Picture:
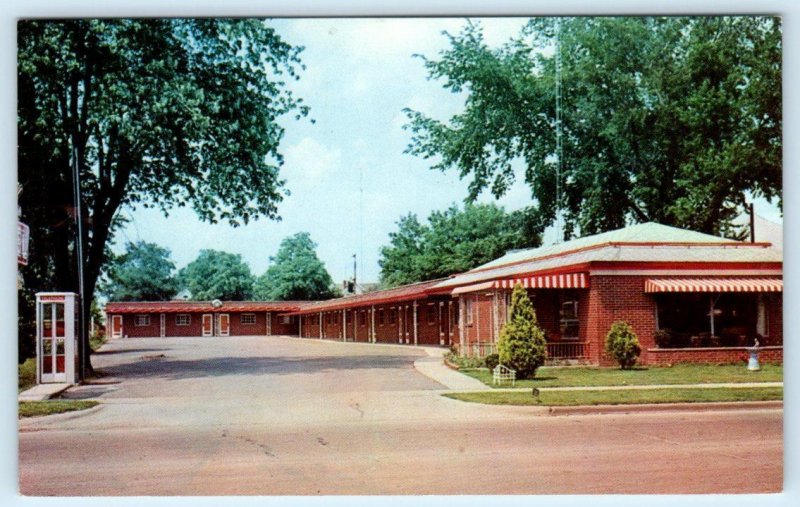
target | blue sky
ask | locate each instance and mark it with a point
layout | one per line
(348, 178)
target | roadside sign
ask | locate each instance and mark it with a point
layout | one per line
(23, 238)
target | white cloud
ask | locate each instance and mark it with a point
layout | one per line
(310, 162)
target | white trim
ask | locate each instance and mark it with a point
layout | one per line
(685, 272)
(163, 325)
(219, 324)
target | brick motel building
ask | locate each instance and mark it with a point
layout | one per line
(690, 297)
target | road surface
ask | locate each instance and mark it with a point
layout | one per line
(284, 416)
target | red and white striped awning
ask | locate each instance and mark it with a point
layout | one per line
(567, 281)
(711, 285)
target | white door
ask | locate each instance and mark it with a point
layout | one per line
(163, 325)
(208, 324)
(223, 324)
(53, 348)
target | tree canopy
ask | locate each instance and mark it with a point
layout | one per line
(218, 275)
(295, 273)
(154, 113)
(144, 272)
(452, 241)
(673, 120)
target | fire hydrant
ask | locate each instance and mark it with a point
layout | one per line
(752, 363)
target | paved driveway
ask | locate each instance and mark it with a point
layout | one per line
(255, 415)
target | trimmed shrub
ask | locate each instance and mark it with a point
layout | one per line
(491, 361)
(522, 346)
(622, 344)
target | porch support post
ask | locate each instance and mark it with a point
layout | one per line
(300, 326)
(415, 322)
(711, 312)
(320, 325)
(461, 330)
(372, 325)
(344, 325)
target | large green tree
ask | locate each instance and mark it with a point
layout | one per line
(153, 113)
(673, 120)
(218, 275)
(295, 273)
(144, 272)
(452, 241)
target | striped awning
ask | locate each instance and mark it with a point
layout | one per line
(567, 281)
(564, 281)
(714, 285)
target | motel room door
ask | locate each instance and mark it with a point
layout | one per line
(208, 324)
(116, 326)
(223, 324)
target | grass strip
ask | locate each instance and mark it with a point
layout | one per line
(39, 408)
(624, 397)
(583, 376)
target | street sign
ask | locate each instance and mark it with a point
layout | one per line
(23, 238)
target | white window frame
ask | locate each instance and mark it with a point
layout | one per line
(141, 320)
(178, 319)
(249, 321)
(468, 310)
(286, 319)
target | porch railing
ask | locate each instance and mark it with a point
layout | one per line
(482, 349)
(566, 350)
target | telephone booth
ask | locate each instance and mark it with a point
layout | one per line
(57, 321)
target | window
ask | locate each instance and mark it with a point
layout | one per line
(431, 315)
(468, 310)
(183, 319)
(286, 319)
(568, 319)
(685, 319)
(248, 318)
(141, 320)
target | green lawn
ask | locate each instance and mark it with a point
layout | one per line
(621, 397)
(678, 374)
(38, 408)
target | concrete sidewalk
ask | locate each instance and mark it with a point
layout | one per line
(433, 366)
(42, 392)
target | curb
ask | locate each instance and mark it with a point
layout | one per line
(66, 416)
(666, 407)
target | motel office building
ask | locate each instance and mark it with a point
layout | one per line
(706, 297)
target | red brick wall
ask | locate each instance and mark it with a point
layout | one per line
(774, 304)
(195, 327)
(129, 330)
(712, 355)
(613, 298)
(239, 329)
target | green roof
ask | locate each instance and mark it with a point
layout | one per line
(649, 232)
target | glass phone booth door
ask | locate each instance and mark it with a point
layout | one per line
(56, 350)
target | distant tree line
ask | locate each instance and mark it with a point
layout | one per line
(145, 272)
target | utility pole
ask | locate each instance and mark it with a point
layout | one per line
(83, 342)
(355, 290)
